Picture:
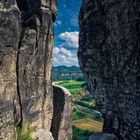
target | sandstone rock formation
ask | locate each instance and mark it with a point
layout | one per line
(109, 55)
(9, 38)
(26, 44)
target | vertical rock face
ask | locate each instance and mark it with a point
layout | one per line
(34, 64)
(62, 115)
(9, 38)
(26, 94)
(109, 55)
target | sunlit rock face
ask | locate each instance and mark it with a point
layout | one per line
(9, 38)
(26, 44)
(109, 54)
(34, 65)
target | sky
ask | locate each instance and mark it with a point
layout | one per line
(66, 33)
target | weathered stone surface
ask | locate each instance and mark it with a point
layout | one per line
(62, 116)
(102, 136)
(34, 65)
(9, 38)
(26, 93)
(109, 55)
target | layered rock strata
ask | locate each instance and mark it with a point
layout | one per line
(109, 55)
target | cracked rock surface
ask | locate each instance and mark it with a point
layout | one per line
(109, 56)
(26, 45)
(9, 38)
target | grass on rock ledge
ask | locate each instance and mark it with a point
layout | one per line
(24, 133)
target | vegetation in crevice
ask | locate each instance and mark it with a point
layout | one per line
(24, 132)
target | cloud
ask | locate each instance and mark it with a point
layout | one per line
(70, 39)
(58, 23)
(62, 56)
(66, 52)
(64, 6)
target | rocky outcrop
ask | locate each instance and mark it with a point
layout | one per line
(109, 56)
(26, 44)
(62, 115)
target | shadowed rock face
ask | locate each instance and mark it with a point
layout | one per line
(109, 55)
(26, 44)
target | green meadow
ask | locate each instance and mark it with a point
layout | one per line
(73, 86)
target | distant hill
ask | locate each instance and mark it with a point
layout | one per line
(67, 69)
(67, 73)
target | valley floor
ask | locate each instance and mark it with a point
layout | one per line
(86, 117)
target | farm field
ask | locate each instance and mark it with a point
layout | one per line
(88, 124)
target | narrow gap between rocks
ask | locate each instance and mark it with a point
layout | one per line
(86, 117)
